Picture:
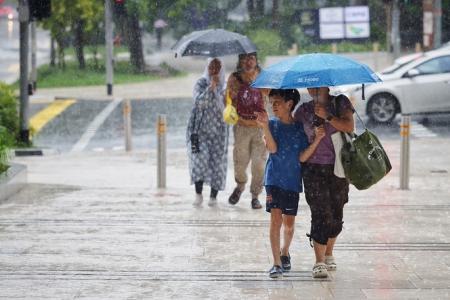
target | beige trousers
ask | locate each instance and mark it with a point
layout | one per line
(249, 146)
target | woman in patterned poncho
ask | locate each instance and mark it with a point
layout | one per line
(208, 156)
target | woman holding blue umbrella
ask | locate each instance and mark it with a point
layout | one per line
(325, 193)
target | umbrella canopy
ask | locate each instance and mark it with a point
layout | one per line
(314, 70)
(213, 43)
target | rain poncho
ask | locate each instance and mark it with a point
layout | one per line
(210, 164)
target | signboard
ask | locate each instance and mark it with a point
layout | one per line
(357, 30)
(357, 14)
(332, 31)
(352, 22)
(331, 15)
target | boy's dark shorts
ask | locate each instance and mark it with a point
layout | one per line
(282, 199)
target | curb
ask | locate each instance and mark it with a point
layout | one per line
(13, 180)
(33, 152)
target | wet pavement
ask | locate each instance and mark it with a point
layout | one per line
(67, 128)
(94, 226)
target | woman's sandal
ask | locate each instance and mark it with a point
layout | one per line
(330, 262)
(320, 271)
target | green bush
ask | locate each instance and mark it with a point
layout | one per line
(5, 143)
(9, 124)
(268, 42)
(9, 117)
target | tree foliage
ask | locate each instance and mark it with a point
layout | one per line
(72, 22)
(80, 22)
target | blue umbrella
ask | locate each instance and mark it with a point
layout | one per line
(314, 70)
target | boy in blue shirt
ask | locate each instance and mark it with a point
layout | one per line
(288, 146)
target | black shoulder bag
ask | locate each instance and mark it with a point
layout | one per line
(195, 143)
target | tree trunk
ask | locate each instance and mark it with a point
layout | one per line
(251, 10)
(260, 8)
(135, 42)
(52, 52)
(95, 47)
(395, 30)
(275, 23)
(78, 43)
(61, 60)
(59, 38)
(388, 9)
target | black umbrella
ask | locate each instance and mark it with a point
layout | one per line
(213, 43)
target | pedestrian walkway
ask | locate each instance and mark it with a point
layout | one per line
(174, 87)
(94, 226)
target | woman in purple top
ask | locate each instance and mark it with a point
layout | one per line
(325, 193)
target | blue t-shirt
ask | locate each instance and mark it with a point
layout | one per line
(283, 168)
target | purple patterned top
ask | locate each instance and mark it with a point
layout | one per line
(324, 153)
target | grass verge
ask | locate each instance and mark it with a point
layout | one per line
(72, 76)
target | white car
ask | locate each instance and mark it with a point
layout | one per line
(416, 85)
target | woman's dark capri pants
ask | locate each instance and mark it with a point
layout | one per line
(326, 195)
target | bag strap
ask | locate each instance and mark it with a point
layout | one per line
(228, 98)
(359, 118)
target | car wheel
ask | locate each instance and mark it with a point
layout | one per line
(382, 108)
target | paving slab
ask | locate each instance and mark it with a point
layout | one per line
(94, 226)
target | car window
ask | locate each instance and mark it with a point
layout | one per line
(446, 64)
(435, 66)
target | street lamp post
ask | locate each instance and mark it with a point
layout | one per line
(33, 76)
(24, 17)
(109, 47)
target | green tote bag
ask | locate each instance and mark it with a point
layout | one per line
(364, 160)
